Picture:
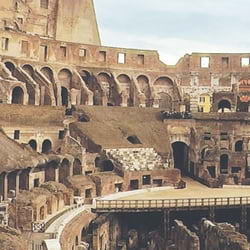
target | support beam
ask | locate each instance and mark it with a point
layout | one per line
(212, 213)
(166, 225)
(244, 219)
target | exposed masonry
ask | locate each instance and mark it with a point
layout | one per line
(136, 159)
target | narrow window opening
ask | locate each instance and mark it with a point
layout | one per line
(5, 43)
(205, 62)
(140, 59)
(245, 61)
(102, 56)
(146, 180)
(61, 134)
(16, 134)
(121, 58)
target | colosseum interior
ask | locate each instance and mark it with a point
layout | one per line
(109, 148)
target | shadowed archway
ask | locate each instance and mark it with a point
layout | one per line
(180, 153)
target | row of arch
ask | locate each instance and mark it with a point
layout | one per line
(46, 145)
(102, 84)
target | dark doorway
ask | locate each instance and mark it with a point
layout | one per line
(224, 104)
(46, 147)
(65, 97)
(211, 170)
(33, 144)
(134, 184)
(180, 152)
(107, 166)
(17, 95)
(239, 146)
(64, 171)
(224, 164)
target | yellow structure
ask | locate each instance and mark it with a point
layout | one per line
(204, 103)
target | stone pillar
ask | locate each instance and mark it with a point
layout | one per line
(124, 98)
(2, 185)
(57, 174)
(5, 187)
(18, 181)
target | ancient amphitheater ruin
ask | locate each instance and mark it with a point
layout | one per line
(108, 148)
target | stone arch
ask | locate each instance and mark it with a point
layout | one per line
(93, 85)
(238, 146)
(46, 146)
(17, 96)
(181, 156)
(109, 88)
(48, 72)
(77, 167)
(65, 78)
(144, 86)
(224, 162)
(28, 69)
(50, 171)
(126, 86)
(165, 101)
(224, 105)
(33, 144)
(64, 170)
(164, 81)
(10, 66)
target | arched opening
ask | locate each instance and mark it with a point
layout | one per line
(65, 97)
(48, 73)
(64, 171)
(11, 67)
(46, 146)
(143, 84)
(28, 69)
(133, 139)
(65, 78)
(109, 87)
(77, 167)
(83, 118)
(224, 164)
(33, 144)
(165, 101)
(224, 105)
(180, 153)
(50, 171)
(238, 146)
(17, 95)
(125, 84)
(107, 166)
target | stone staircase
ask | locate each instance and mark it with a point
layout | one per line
(136, 159)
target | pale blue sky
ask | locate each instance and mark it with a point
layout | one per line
(175, 27)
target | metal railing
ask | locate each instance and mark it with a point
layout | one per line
(171, 203)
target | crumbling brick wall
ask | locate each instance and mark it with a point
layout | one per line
(222, 236)
(183, 238)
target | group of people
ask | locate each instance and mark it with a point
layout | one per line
(176, 115)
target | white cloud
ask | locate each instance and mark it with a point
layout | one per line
(170, 49)
(176, 27)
